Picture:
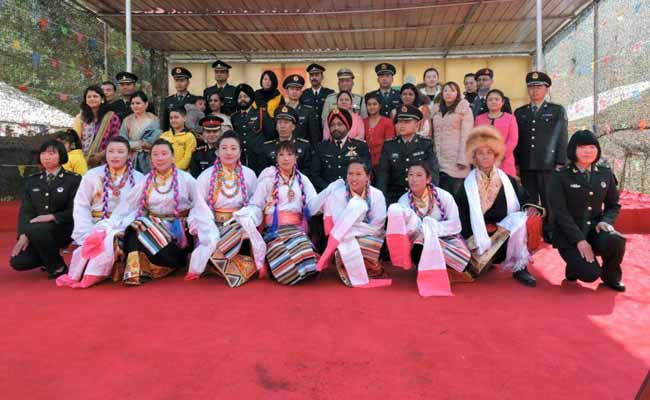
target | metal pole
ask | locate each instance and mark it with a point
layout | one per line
(127, 12)
(105, 49)
(595, 74)
(540, 52)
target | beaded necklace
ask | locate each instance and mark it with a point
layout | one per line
(433, 198)
(109, 187)
(219, 182)
(151, 181)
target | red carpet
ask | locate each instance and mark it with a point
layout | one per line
(201, 340)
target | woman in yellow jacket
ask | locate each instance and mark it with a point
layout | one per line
(269, 97)
(76, 159)
(183, 141)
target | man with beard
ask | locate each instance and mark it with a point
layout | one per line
(181, 82)
(226, 90)
(316, 94)
(346, 83)
(330, 159)
(250, 123)
(389, 97)
(399, 153)
(286, 119)
(308, 125)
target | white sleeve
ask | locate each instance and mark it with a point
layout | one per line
(201, 220)
(81, 212)
(378, 209)
(451, 225)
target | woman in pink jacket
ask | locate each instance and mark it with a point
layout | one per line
(452, 122)
(505, 123)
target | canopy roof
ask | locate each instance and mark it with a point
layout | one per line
(253, 29)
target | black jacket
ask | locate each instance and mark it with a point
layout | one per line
(254, 126)
(396, 157)
(228, 95)
(170, 103)
(543, 137)
(202, 159)
(329, 162)
(578, 204)
(265, 156)
(389, 102)
(316, 102)
(496, 213)
(57, 198)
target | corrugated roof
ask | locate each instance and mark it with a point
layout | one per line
(250, 28)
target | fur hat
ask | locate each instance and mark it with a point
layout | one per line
(485, 136)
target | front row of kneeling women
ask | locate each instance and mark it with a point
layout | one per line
(229, 222)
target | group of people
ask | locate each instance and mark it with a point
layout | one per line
(242, 183)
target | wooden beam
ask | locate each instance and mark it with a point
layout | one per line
(297, 13)
(346, 30)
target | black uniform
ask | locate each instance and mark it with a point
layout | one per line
(388, 102)
(308, 125)
(46, 238)
(172, 102)
(396, 157)
(329, 161)
(542, 145)
(579, 202)
(470, 97)
(227, 93)
(266, 155)
(315, 101)
(203, 158)
(254, 126)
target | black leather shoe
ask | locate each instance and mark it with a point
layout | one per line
(570, 276)
(525, 277)
(58, 271)
(618, 286)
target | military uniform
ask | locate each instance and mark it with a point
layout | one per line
(542, 145)
(122, 107)
(308, 124)
(390, 99)
(204, 156)
(176, 100)
(227, 91)
(329, 160)
(41, 197)
(479, 105)
(397, 155)
(252, 126)
(358, 105)
(579, 202)
(266, 156)
(315, 97)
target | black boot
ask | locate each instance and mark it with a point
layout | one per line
(617, 286)
(469, 268)
(525, 277)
